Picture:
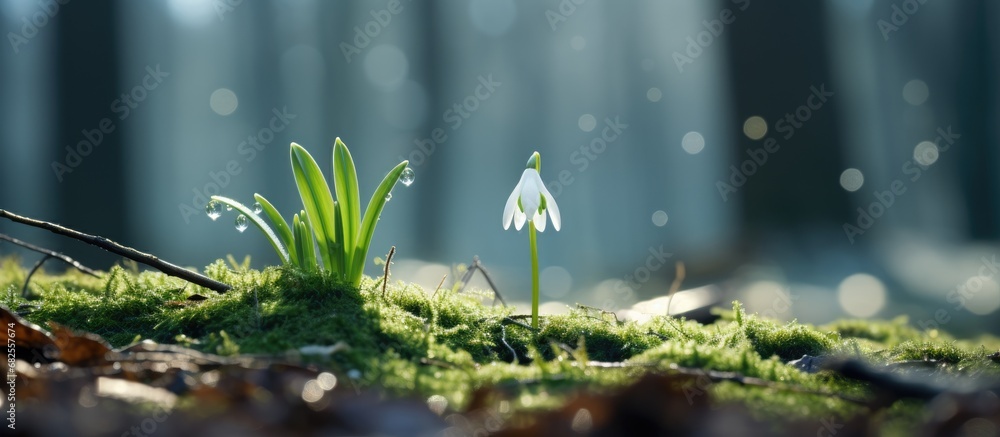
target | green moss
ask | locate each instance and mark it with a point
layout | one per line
(888, 333)
(410, 341)
(790, 341)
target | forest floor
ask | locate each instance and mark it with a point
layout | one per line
(291, 353)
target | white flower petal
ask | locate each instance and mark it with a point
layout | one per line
(519, 219)
(552, 208)
(511, 209)
(539, 222)
(511, 206)
(531, 195)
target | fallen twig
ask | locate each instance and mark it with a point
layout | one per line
(51, 254)
(128, 252)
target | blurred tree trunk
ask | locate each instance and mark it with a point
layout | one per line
(974, 87)
(777, 56)
(90, 197)
(433, 172)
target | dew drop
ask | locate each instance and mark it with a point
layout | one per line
(229, 208)
(257, 208)
(213, 209)
(388, 197)
(242, 223)
(407, 177)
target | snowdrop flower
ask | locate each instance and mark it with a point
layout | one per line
(530, 200)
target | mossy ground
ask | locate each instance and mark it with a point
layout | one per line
(413, 341)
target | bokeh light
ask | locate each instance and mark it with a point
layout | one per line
(926, 153)
(660, 218)
(861, 295)
(555, 281)
(852, 179)
(223, 101)
(587, 122)
(915, 92)
(438, 404)
(755, 127)
(386, 66)
(693, 143)
(654, 94)
(980, 295)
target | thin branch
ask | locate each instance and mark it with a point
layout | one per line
(599, 310)
(672, 322)
(128, 252)
(503, 339)
(27, 280)
(489, 280)
(510, 321)
(477, 265)
(468, 274)
(657, 335)
(385, 273)
(565, 348)
(52, 254)
(439, 285)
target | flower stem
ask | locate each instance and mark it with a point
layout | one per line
(534, 274)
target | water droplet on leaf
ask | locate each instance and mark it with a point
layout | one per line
(407, 177)
(257, 208)
(213, 209)
(242, 223)
(388, 197)
(229, 208)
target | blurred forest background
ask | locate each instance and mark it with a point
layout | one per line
(738, 136)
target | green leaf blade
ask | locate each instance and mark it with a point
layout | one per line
(318, 203)
(297, 225)
(367, 230)
(257, 221)
(347, 255)
(280, 225)
(346, 184)
(308, 247)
